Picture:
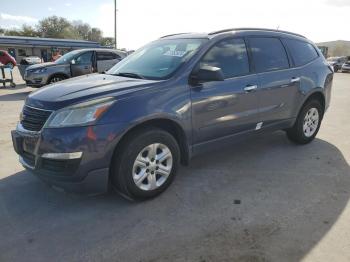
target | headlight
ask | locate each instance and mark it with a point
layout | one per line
(80, 114)
(39, 71)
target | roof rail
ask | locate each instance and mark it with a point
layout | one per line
(173, 35)
(253, 28)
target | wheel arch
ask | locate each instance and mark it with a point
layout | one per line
(166, 124)
(57, 74)
(317, 95)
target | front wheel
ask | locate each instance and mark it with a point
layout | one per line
(145, 164)
(307, 124)
(56, 78)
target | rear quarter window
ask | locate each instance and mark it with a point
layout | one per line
(301, 52)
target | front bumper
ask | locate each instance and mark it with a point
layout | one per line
(87, 171)
(35, 80)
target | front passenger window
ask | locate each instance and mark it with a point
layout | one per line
(83, 59)
(229, 55)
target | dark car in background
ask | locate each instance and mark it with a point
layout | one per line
(337, 62)
(7, 59)
(72, 64)
(169, 101)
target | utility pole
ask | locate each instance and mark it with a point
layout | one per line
(115, 23)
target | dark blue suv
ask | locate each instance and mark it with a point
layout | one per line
(132, 126)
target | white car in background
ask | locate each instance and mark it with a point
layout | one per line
(30, 60)
(346, 67)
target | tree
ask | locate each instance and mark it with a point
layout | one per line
(82, 29)
(59, 27)
(28, 30)
(54, 27)
(107, 41)
(95, 34)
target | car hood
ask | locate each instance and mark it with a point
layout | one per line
(87, 87)
(41, 65)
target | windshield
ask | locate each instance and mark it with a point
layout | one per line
(67, 58)
(157, 60)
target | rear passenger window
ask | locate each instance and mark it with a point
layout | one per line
(229, 55)
(302, 52)
(268, 54)
(107, 56)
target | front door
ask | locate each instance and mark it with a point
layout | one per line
(223, 108)
(82, 64)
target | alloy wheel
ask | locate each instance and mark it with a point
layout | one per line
(311, 120)
(152, 166)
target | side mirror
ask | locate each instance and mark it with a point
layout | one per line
(207, 74)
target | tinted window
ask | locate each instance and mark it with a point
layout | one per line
(229, 55)
(159, 59)
(268, 54)
(84, 58)
(301, 52)
(107, 56)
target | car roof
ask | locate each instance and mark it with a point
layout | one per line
(238, 32)
(99, 49)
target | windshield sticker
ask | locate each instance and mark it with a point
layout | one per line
(175, 53)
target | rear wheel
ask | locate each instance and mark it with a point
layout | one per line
(146, 164)
(56, 78)
(307, 124)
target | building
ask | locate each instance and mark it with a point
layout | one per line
(20, 46)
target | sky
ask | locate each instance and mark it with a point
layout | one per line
(141, 21)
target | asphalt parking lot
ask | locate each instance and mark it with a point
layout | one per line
(264, 199)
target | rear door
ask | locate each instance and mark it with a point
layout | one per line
(278, 83)
(106, 60)
(82, 64)
(223, 108)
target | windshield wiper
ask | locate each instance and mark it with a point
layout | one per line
(132, 75)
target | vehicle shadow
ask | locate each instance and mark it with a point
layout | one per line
(15, 96)
(265, 199)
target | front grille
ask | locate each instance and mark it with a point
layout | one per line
(33, 119)
(64, 167)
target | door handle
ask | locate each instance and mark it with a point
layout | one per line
(295, 80)
(250, 88)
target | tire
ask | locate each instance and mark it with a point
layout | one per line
(144, 179)
(56, 78)
(298, 133)
(336, 69)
